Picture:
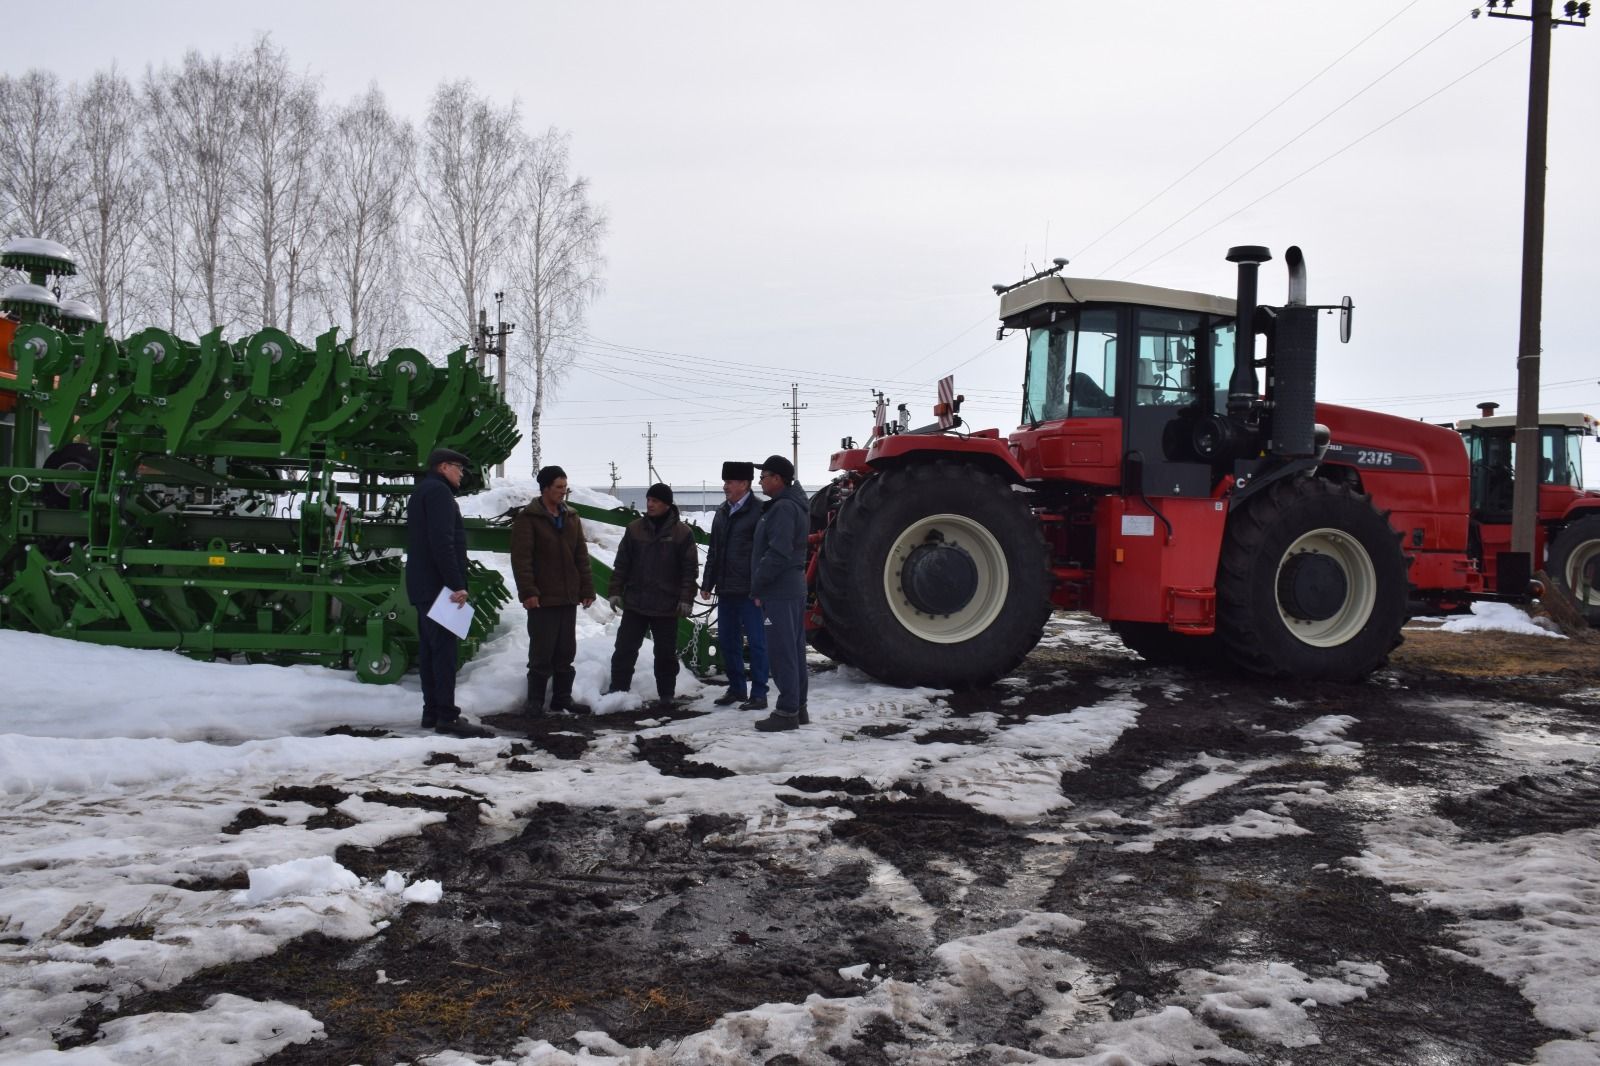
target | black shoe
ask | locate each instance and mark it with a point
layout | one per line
(460, 727)
(776, 722)
(663, 705)
(755, 703)
(729, 699)
(804, 718)
(570, 705)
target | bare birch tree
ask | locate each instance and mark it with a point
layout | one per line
(192, 130)
(466, 191)
(276, 184)
(366, 165)
(104, 233)
(37, 165)
(555, 271)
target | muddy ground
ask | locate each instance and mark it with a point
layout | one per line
(589, 920)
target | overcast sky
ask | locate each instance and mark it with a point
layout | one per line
(823, 193)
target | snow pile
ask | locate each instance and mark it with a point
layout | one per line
(1488, 616)
(1271, 1001)
(298, 877)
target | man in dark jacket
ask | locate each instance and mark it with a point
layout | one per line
(436, 559)
(550, 563)
(652, 584)
(778, 586)
(733, 536)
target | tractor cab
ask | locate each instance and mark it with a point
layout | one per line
(1491, 447)
(1139, 389)
(1119, 370)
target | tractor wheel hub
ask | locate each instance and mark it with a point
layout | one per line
(939, 578)
(1312, 587)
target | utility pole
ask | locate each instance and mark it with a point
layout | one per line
(494, 343)
(1525, 489)
(794, 407)
(614, 477)
(649, 436)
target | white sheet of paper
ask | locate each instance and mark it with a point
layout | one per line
(456, 617)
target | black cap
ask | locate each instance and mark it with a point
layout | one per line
(733, 470)
(549, 475)
(447, 455)
(777, 464)
(660, 491)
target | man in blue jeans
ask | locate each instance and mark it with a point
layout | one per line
(727, 573)
(778, 587)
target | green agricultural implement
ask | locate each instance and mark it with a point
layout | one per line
(223, 499)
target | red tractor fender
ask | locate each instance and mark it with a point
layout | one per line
(984, 448)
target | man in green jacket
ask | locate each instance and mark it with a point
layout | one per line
(551, 565)
(653, 585)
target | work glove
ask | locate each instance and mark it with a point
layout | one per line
(686, 608)
(615, 602)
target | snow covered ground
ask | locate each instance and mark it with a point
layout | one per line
(120, 769)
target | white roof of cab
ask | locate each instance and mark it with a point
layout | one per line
(1059, 290)
(1570, 419)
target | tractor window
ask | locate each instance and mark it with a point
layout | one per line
(1491, 452)
(1072, 368)
(1572, 467)
(1222, 358)
(1169, 342)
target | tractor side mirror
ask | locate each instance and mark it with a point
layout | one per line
(1346, 313)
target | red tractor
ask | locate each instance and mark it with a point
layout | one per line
(1567, 533)
(1208, 512)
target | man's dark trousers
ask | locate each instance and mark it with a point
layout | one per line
(738, 619)
(630, 636)
(436, 662)
(786, 647)
(552, 645)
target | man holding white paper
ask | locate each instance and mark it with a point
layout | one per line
(436, 582)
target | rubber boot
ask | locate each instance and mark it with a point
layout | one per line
(534, 704)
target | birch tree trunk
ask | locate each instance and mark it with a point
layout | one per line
(556, 273)
(193, 128)
(38, 169)
(466, 185)
(104, 233)
(276, 187)
(366, 164)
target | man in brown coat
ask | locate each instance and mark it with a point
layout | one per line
(551, 564)
(653, 585)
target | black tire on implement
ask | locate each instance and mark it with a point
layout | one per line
(935, 574)
(1574, 564)
(1311, 584)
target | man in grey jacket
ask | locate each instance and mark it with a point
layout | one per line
(778, 587)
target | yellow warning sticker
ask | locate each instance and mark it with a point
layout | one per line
(218, 560)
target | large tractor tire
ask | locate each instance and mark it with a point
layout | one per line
(1311, 584)
(1574, 564)
(935, 574)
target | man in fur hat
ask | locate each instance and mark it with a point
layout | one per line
(733, 535)
(652, 584)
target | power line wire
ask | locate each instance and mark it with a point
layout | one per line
(1276, 151)
(1230, 142)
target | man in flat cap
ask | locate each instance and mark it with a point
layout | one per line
(652, 584)
(733, 537)
(778, 586)
(436, 559)
(550, 563)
